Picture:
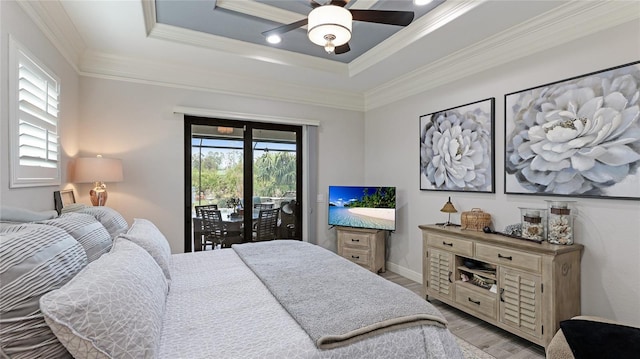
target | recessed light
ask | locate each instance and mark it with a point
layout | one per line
(421, 2)
(274, 39)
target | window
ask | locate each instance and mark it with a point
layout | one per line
(33, 124)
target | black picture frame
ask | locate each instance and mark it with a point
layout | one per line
(63, 198)
(578, 137)
(468, 130)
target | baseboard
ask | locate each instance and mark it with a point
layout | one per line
(405, 272)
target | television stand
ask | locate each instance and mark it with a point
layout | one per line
(365, 247)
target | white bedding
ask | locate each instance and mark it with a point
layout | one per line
(217, 308)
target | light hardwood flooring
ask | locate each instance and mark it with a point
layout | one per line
(490, 339)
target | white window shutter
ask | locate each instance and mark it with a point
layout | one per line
(34, 93)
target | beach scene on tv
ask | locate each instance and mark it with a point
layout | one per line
(363, 207)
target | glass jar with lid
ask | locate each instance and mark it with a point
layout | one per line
(560, 222)
(533, 221)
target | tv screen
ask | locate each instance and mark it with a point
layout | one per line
(362, 207)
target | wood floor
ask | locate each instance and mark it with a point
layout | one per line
(490, 339)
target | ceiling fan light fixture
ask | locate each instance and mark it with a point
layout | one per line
(329, 46)
(329, 26)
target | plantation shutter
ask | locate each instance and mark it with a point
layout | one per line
(35, 157)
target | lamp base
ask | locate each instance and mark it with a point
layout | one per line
(447, 224)
(99, 195)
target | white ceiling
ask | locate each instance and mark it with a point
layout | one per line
(122, 39)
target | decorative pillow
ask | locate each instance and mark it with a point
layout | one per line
(145, 234)
(109, 217)
(90, 233)
(73, 207)
(113, 308)
(34, 259)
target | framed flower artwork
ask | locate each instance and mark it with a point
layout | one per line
(578, 137)
(456, 148)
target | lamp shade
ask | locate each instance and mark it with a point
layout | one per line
(98, 169)
(448, 207)
(329, 23)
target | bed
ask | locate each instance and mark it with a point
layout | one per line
(275, 299)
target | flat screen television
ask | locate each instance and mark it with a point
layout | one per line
(362, 207)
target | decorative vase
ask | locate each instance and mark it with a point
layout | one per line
(560, 222)
(533, 223)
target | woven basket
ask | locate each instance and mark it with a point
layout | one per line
(475, 219)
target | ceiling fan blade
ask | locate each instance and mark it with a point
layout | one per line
(314, 4)
(390, 17)
(340, 3)
(342, 49)
(286, 28)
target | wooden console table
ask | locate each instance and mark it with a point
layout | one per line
(536, 285)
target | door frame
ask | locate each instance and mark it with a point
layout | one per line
(248, 127)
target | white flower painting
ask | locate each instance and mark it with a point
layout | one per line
(456, 148)
(579, 137)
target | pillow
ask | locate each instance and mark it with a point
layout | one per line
(73, 207)
(90, 233)
(111, 309)
(145, 234)
(109, 217)
(16, 214)
(34, 259)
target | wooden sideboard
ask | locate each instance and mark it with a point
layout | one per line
(365, 247)
(536, 285)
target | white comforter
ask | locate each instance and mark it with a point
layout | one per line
(217, 308)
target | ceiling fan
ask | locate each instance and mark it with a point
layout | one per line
(330, 25)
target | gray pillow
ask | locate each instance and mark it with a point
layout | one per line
(145, 234)
(90, 233)
(111, 219)
(34, 259)
(111, 309)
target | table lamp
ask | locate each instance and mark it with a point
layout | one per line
(448, 208)
(98, 170)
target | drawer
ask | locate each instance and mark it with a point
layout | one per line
(455, 245)
(508, 257)
(356, 240)
(358, 256)
(483, 304)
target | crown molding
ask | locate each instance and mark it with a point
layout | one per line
(54, 22)
(563, 24)
(149, 15)
(260, 10)
(123, 68)
(430, 22)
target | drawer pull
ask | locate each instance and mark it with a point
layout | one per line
(355, 240)
(450, 273)
(474, 301)
(501, 293)
(355, 257)
(505, 257)
(447, 244)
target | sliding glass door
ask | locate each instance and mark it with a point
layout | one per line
(240, 168)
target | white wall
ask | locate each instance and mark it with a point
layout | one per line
(15, 22)
(135, 122)
(609, 229)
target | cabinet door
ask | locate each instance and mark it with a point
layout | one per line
(520, 298)
(439, 273)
